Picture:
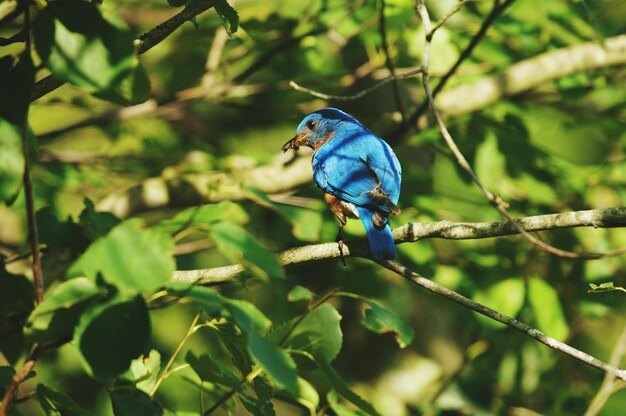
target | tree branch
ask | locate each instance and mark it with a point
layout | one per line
(530, 73)
(600, 218)
(508, 321)
(497, 202)
(412, 232)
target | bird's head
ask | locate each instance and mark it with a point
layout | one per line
(317, 128)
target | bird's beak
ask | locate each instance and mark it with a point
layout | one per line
(296, 142)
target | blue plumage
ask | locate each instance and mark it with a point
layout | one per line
(358, 172)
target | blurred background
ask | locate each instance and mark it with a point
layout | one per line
(221, 108)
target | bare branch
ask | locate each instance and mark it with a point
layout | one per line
(358, 95)
(508, 321)
(610, 217)
(412, 232)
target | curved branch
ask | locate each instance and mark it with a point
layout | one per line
(411, 232)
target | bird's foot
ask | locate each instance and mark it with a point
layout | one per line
(340, 244)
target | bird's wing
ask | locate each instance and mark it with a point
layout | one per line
(363, 170)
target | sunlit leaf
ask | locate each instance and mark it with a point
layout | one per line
(382, 320)
(131, 257)
(109, 336)
(604, 287)
(506, 297)
(207, 214)
(79, 46)
(11, 159)
(299, 293)
(545, 302)
(144, 371)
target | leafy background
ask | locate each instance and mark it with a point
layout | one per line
(318, 338)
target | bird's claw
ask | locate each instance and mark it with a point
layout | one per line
(340, 245)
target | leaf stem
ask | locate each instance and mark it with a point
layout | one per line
(192, 329)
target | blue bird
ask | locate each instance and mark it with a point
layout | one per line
(358, 172)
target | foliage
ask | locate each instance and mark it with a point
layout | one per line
(184, 140)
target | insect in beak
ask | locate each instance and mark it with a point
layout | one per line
(297, 141)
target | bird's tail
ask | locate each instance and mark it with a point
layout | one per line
(380, 238)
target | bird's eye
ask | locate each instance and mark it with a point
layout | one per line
(311, 124)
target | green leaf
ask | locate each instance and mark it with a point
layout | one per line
(133, 89)
(605, 287)
(277, 364)
(55, 403)
(340, 409)
(79, 46)
(382, 320)
(109, 336)
(257, 406)
(506, 297)
(56, 317)
(131, 257)
(341, 387)
(299, 293)
(228, 15)
(207, 214)
(307, 395)
(144, 371)
(212, 370)
(318, 333)
(11, 159)
(238, 246)
(130, 401)
(16, 85)
(545, 302)
(97, 224)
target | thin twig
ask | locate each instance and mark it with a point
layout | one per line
(445, 18)
(358, 95)
(506, 320)
(19, 377)
(382, 28)
(192, 329)
(493, 199)
(497, 9)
